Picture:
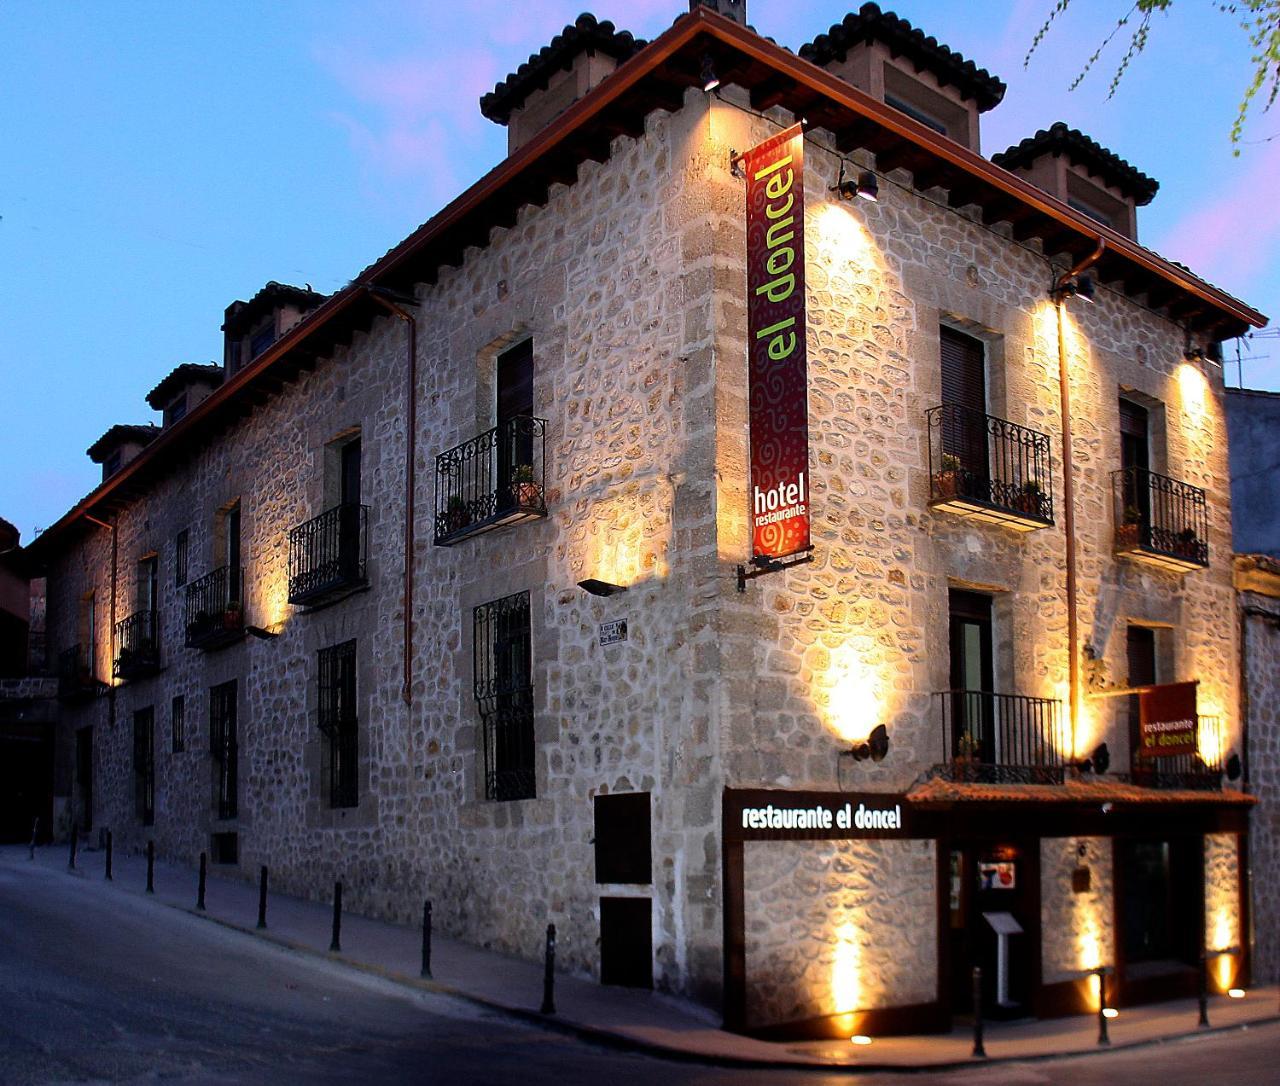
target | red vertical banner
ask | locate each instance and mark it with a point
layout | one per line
(777, 357)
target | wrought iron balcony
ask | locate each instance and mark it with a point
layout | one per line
(1000, 738)
(328, 554)
(491, 480)
(75, 675)
(215, 609)
(1200, 772)
(989, 469)
(137, 646)
(1160, 521)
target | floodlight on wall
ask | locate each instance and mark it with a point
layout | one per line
(600, 588)
(710, 81)
(875, 746)
(1097, 762)
(866, 187)
(1234, 767)
(264, 633)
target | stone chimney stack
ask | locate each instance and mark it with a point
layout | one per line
(730, 9)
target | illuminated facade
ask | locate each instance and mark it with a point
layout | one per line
(364, 652)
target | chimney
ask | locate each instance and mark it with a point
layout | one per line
(730, 9)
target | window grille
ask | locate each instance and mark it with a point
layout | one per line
(504, 696)
(338, 721)
(144, 764)
(178, 719)
(222, 746)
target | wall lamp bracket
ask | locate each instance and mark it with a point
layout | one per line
(866, 187)
(762, 564)
(1098, 762)
(875, 746)
(601, 588)
(735, 164)
(265, 633)
(1074, 283)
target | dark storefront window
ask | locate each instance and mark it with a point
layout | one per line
(144, 764)
(504, 696)
(222, 747)
(337, 720)
(1162, 903)
(622, 839)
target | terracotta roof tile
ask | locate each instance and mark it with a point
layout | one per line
(1059, 139)
(939, 790)
(118, 435)
(181, 376)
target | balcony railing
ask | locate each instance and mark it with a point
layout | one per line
(1200, 772)
(328, 554)
(1000, 738)
(75, 674)
(1160, 521)
(215, 609)
(137, 646)
(491, 480)
(988, 468)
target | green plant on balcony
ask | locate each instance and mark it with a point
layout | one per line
(524, 488)
(1030, 498)
(946, 481)
(1129, 530)
(232, 616)
(1186, 543)
(456, 514)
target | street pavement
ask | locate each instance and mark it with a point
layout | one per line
(101, 986)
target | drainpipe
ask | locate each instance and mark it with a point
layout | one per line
(1059, 294)
(111, 618)
(411, 449)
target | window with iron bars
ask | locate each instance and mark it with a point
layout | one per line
(144, 764)
(178, 719)
(222, 746)
(504, 696)
(338, 721)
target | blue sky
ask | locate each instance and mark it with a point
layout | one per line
(164, 158)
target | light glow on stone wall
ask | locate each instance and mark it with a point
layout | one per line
(842, 238)
(273, 604)
(850, 694)
(624, 540)
(1089, 953)
(1222, 937)
(846, 983)
(1193, 388)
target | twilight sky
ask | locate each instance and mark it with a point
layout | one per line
(163, 158)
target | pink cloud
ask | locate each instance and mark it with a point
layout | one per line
(1232, 236)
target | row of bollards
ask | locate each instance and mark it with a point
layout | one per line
(335, 942)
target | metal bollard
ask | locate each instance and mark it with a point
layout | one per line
(549, 973)
(151, 867)
(1204, 990)
(35, 833)
(204, 861)
(1104, 1038)
(71, 863)
(262, 897)
(979, 1049)
(426, 939)
(109, 843)
(335, 944)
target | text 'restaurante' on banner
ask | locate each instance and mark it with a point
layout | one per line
(777, 356)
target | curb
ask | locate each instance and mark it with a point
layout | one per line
(612, 1039)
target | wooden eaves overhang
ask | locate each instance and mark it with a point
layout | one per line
(655, 78)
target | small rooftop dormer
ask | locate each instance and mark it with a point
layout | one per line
(1083, 174)
(119, 445)
(580, 57)
(251, 327)
(891, 60)
(184, 387)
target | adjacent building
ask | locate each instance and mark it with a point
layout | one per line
(445, 585)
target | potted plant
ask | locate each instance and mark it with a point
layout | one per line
(231, 617)
(946, 483)
(967, 757)
(1129, 531)
(1186, 544)
(456, 516)
(1030, 498)
(523, 487)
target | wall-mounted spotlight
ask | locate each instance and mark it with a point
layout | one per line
(1097, 762)
(265, 633)
(1075, 286)
(875, 746)
(866, 187)
(601, 588)
(710, 81)
(1234, 767)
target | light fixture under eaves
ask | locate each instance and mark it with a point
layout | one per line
(710, 81)
(866, 187)
(601, 588)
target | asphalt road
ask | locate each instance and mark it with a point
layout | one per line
(98, 987)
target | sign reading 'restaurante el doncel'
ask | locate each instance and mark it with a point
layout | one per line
(777, 355)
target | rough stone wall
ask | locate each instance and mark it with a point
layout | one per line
(1262, 679)
(1076, 930)
(838, 926)
(1222, 904)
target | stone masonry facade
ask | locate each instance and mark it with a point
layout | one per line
(631, 284)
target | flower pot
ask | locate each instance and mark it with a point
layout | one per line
(946, 484)
(526, 495)
(1127, 537)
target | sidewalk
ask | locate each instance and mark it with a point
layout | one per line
(645, 1021)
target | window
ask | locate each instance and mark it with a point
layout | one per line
(144, 764)
(338, 721)
(181, 545)
(176, 410)
(504, 696)
(112, 463)
(972, 674)
(262, 339)
(89, 617)
(149, 583)
(178, 723)
(622, 834)
(222, 746)
(916, 114)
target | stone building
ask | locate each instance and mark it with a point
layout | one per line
(447, 586)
